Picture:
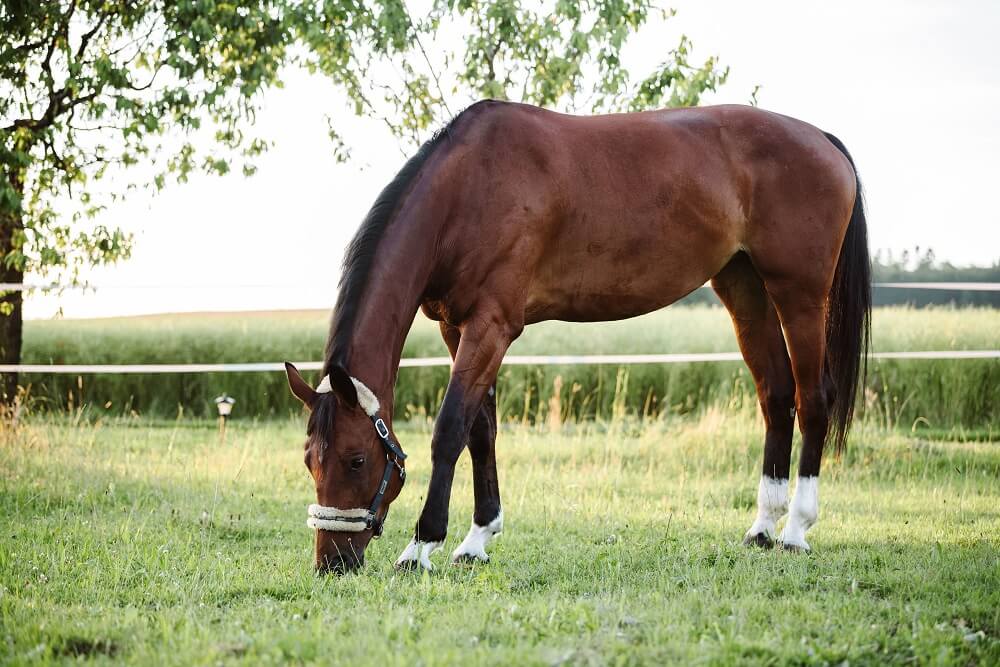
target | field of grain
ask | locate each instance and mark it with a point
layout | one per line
(954, 397)
(134, 541)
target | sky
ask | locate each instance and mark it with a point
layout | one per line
(912, 88)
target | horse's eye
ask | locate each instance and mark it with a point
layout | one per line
(357, 462)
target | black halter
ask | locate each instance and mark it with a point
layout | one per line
(394, 458)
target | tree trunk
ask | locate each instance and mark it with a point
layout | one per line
(11, 320)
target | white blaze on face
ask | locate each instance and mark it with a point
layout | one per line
(772, 503)
(803, 513)
(419, 553)
(474, 544)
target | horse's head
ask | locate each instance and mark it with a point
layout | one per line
(357, 467)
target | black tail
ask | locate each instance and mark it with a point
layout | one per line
(848, 325)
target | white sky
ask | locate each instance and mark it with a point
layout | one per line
(912, 88)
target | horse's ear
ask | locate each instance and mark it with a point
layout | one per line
(300, 388)
(343, 386)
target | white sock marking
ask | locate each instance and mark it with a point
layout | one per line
(419, 552)
(772, 504)
(803, 512)
(475, 542)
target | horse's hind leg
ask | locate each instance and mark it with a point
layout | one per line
(487, 518)
(803, 316)
(758, 332)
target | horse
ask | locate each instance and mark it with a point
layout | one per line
(513, 214)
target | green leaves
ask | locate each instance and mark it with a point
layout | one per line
(565, 55)
(93, 87)
(677, 83)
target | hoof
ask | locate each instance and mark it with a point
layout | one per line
(793, 548)
(408, 566)
(469, 559)
(761, 540)
(472, 550)
(417, 556)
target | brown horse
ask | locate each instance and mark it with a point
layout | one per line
(512, 215)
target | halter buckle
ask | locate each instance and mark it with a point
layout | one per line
(381, 428)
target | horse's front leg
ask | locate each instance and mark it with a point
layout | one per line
(487, 519)
(483, 343)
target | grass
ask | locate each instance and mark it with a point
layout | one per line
(151, 542)
(937, 395)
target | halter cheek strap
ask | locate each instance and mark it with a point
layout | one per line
(360, 519)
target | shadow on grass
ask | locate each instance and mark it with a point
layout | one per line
(83, 647)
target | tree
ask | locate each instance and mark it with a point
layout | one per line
(90, 88)
(140, 93)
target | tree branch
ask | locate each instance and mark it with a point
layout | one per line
(87, 36)
(64, 166)
(56, 108)
(25, 48)
(135, 40)
(50, 83)
(152, 79)
(437, 81)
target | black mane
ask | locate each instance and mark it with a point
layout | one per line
(360, 253)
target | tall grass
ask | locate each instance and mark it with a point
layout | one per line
(923, 394)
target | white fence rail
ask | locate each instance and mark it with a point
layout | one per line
(426, 362)
(958, 287)
(513, 360)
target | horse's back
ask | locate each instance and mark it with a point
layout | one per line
(622, 214)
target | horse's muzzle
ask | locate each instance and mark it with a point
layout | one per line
(338, 564)
(339, 553)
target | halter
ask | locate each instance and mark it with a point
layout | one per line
(360, 519)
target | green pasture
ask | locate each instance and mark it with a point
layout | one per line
(129, 540)
(955, 397)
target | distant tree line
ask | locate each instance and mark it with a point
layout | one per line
(922, 266)
(913, 266)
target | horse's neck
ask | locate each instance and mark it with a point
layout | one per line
(389, 303)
